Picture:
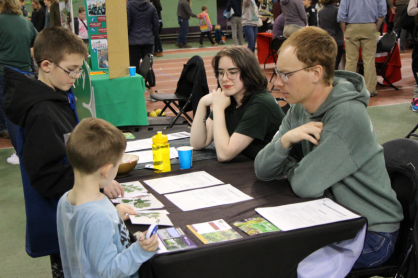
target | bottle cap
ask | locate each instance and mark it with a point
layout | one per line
(160, 138)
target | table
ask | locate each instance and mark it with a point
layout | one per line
(265, 255)
(263, 48)
(120, 101)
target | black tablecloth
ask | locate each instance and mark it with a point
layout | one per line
(267, 255)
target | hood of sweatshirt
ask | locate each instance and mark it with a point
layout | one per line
(140, 5)
(22, 92)
(348, 86)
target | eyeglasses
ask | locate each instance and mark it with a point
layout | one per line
(231, 74)
(72, 73)
(284, 76)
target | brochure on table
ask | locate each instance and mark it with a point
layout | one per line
(96, 23)
(151, 217)
(213, 231)
(306, 214)
(173, 239)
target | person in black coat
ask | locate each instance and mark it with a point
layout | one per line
(143, 25)
(38, 15)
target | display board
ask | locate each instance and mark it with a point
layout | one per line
(84, 95)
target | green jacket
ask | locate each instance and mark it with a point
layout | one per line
(348, 164)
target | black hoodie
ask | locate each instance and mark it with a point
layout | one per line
(46, 116)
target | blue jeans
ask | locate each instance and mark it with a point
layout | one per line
(184, 30)
(3, 126)
(11, 127)
(378, 247)
(158, 44)
(250, 32)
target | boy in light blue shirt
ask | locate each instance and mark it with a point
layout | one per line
(93, 239)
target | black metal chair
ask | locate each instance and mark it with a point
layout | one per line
(412, 132)
(402, 167)
(191, 86)
(386, 44)
(274, 46)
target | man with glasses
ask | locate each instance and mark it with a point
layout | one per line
(326, 145)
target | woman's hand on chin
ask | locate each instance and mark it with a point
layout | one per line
(219, 99)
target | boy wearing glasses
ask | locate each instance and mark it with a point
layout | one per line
(326, 145)
(44, 109)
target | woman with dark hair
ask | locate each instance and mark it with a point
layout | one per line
(245, 117)
(38, 15)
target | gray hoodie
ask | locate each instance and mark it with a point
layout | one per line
(294, 12)
(348, 164)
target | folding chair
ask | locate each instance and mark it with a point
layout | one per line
(412, 133)
(145, 69)
(386, 44)
(191, 87)
(402, 167)
(274, 46)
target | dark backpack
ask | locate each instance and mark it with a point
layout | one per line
(407, 22)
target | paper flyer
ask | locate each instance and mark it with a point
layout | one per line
(255, 226)
(173, 239)
(213, 231)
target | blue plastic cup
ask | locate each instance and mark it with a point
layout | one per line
(185, 157)
(132, 71)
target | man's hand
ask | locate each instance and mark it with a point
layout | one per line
(150, 244)
(310, 131)
(113, 190)
(393, 10)
(124, 210)
(220, 100)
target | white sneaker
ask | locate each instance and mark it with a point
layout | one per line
(13, 159)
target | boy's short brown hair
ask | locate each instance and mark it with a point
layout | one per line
(314, 46)
(93, 144)
(81, 9)
(55, 42)
(204, 8)
(11, 6)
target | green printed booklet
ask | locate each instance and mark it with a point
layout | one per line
(129, 135)
(173, 239)
(255, 226)
(213, 231)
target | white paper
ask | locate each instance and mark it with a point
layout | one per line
(146, 156)
(183, 182)
(306, 214)
(207, 197)
(145, 144)
(150, 217)
(133, 189)
(144, 203)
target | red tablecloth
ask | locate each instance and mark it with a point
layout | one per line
(393, 67)
(263, 46)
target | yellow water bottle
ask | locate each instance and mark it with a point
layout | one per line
(161, 153)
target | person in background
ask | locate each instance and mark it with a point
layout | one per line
(158, 44)
(184, 12)
(245, 116)
(278, 26)
(398, 9)
(249, 22)
(103, 60)
(205, 26)
(47, 12)
(15, 51)
(295, 16)
(143, 24)
(54, 14)
(328, 21)
(80, 25)
(413, 11)
(219, 35)
(93, 239)
(23, 8)
(326, 145)
(360, 25)
(236, 21)
(310, 13)
(38, 15)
